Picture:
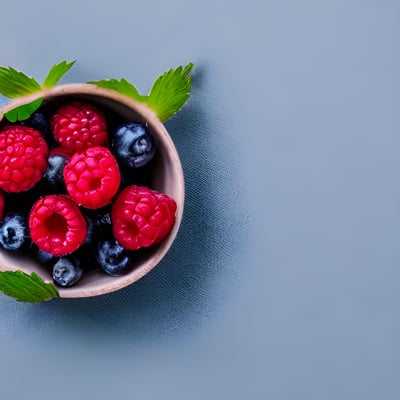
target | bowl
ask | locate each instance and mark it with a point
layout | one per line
(166, 176)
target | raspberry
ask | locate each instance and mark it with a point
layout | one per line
(141, 216)
(92, 177)
(77, 126)
(23, 158)
(56, 225)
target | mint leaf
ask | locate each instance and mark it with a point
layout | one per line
(28, 288)
(15, 83)
(56, 73)
(170, 92)
(22, 113)
(167, 96)
(122, 86)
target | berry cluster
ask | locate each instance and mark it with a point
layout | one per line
(71, 191)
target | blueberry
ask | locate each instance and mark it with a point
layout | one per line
(54, 174)
(91, 229)
(103, 220)
(13, 232)
(85, 256)
(45, 258)
(97, 220)
(100, 217)
(67, 271)
(132, 145)
(112, 257)
(39, 122)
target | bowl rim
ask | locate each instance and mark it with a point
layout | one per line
(150, 117)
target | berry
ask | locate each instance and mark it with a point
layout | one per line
(23, 158)
(13, 232)
(45, 258)
(77, 126)
(141, 216)
(85, 256)
(56, 225)
(91, 228)
(92, 177)
(103, 220)
(112, 257)
(54, 175)
(67, 271)
(39, 122)
(99, 221)
(132, 145)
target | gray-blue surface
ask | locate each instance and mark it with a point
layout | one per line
(284, 280)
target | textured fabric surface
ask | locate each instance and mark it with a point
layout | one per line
(283, 281)
(176, 293)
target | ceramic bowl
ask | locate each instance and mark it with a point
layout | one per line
(166, 176)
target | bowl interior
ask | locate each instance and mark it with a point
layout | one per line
(164, 174)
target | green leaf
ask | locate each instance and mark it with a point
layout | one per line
(170, 91)
(56, 73)
(15, 83)
(22, 113)
(167, 95)
(23, 287)
(122, 86)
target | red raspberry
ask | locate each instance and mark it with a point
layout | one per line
(56, 225)
(141, 216)
(92, 177)
(23, 158)
(78, 126)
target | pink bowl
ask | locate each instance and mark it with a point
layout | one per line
(167, 177)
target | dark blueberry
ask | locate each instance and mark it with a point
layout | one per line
(112, 257)
(67, 271)
(132, 145)
(45, 258)
(85, 255)
(142, 176)
(91, 229)
(13, 232)
(54, 173)
(101, 217)
(98, 221)
(103, 220)
(39, 122)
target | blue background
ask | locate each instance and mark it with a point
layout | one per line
(283, 282)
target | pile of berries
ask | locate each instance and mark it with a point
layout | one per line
(74, 191)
